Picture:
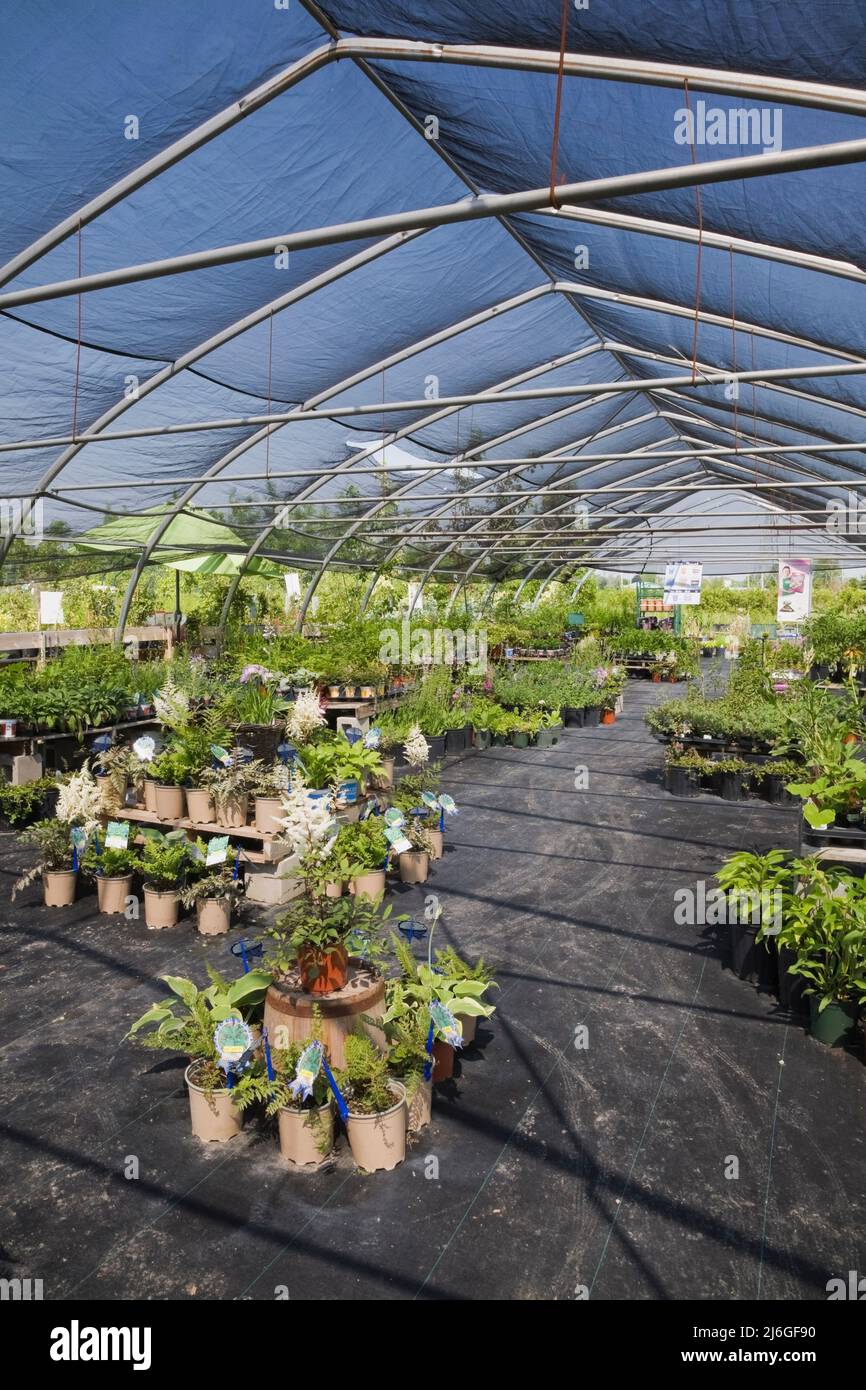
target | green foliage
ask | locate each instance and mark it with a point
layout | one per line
(365, 1079)
(317, 924)
(111, 863)
(361, 846)
(19, 805)
(165, 859)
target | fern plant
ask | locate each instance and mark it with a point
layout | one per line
(365, 1079)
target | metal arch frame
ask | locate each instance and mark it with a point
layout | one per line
(587, 351)
(203, 349)
(218, 467)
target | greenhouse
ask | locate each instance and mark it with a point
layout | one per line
(433, 653)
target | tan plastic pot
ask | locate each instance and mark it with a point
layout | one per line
(150, 795)
(214, 1115)
(214, 916)
(58, 886)
(306, 1136)
(469, 1027)
(160, 909)
(384, 779)
(269, 813)
(421, 1107)
(233, 812)
(112, 893)
(414, 865)
(109, 799)
(335, 889)
(199, 806)
(170, 802)
(378, 1142)
(438, 840)
(370, 885)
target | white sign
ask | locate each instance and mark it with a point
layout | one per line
(51, 606)
(683, 583)
(293, 584)
(794, 591)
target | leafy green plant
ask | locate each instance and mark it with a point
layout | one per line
(52, 841)
(365, 1079)
(111, 863)
(362, 846)
(216, 883)
(20, 805)
(315, 924)
(165, 859)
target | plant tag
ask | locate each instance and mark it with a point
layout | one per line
(393, 816)
(232, 1039)
(401, 844)
(373, 737)
(448, 804)
(78, 836)
(446, 1025)
(221, 755)
(144, 748)
(308, 1068)
(117, 834)
(430, 800)
(217, 850)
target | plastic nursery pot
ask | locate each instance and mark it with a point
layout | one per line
(753, 960)
(58, 887)
(680, 782)
(414, 866)
(334, 889)
(384, 779)
(348, 792)
(482, 738)
(421, 1106)
(469, 1026)
(268, 815)
(656, 677)
(150, 795)
(455, 741)
(199, 806)
(443, 1060)
(213, 916)
(591, 717)
(232, 813)
(438, 840)
(608, 716)
(832, 1025)
(213, 1114)
(437, 746)
(170, 802)
(730, 786)
(371, 885)
(378, 1142)
(8, 728)
(573, 717)
(306, 1136)
(775, 792)
(791, 987)
(323, 972)
(544, 738)
(161, 909)
(112, 893)
(519, 739)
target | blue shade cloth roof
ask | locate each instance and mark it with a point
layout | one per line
(93, 95)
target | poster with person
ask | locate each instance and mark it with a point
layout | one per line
(794, 591)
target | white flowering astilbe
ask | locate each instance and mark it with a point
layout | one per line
(79, 801)
(307, 715)
(172, 705)
(308, 824)
(416, 748)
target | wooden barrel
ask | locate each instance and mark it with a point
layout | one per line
(289, 1011)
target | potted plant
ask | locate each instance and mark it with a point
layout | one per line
(52, 841)
(255, 708)
(414, 863)
(299, 1097)
(164, 862)
(186, 1024)
(168, 770)
(450, 964)
(365, 848)
(113, 871)
(268, 791)
(214, 897)
(409, 1061)
(756, 885)
(377, 1120)
(729, 774)
(231, 783)
(421, 986)
(830, 952)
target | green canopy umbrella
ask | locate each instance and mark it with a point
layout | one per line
(195, 542)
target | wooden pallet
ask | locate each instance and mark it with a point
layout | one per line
(271, 850)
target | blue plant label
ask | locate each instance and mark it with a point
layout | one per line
(217, 850)
(446, 1025)
(117, 834)
(394, 833)
(308, 1068)
(232, 1039)
(349, 791)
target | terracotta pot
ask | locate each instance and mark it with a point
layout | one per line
(414, 865)
(421, 1106)
(150, 795)
(214, 1115)
(656, 677)
(306, 1136)
(233, 812)
(161, 909)
(608, 716)
(438, 839)
(199, 806)
(371, 885)
(335, 889)
(58, 886)
(268, 815)
(378, 1142)
(469, 1027)
(323, 972)
(443, 1060)
(112, 893)
(170, 802)
(214, 916)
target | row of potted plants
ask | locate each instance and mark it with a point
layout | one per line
(688, 772)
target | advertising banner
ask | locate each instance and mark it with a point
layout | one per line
(794, 591)
(683, 583)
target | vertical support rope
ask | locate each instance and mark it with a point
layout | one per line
(557, 110)
(700, 222)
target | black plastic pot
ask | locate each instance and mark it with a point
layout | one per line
(573, 717)
(482, 738)
(468, 733)
(592, 717)
(679, 781)
(773, 790)
(730, 785)
(437, 746)
(791, 987)
(751, 959)
(834, 835)
(455, 741)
